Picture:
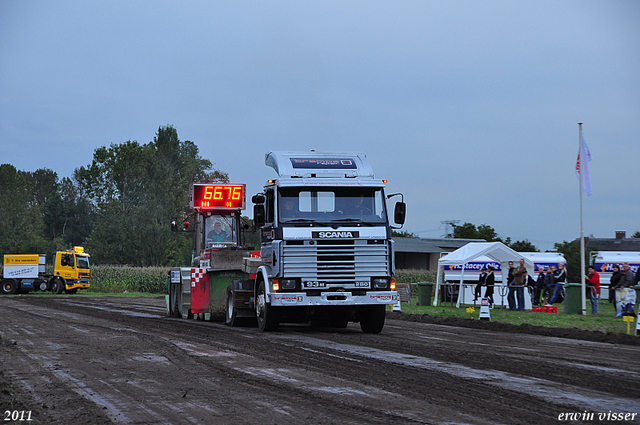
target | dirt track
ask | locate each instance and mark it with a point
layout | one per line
(119, 360)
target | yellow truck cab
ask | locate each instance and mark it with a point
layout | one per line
(71, 271)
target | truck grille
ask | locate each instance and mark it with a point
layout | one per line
(336, 262)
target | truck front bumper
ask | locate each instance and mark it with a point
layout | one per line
(301, 299)
(78, 284)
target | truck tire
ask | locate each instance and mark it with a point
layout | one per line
(9, 286)
(372, 318)
(230, 318)
(57, 286)
(268, 317)
(175, 298)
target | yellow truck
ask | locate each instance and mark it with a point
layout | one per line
(26, 272)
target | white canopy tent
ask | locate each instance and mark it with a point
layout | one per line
(497, 251)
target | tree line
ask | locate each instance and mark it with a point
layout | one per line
(119, 207)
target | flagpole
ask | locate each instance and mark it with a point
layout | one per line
(582, 265)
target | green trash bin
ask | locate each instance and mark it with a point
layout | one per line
(424, 293)
(573, 298)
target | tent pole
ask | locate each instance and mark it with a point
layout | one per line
(460, 286)
(435, 300)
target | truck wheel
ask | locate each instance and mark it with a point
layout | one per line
(57, 286)
(372, 318)
(268, 317)
(9, 286)
(230, 313)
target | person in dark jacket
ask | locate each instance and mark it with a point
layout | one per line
(613, 283)
(539, 287)
(549, 285)
(511, 298)
(624, 290)
(560, 278)
(481, 282)
(490, 281)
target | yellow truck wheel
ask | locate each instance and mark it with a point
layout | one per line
(57, 286)
(9, 286)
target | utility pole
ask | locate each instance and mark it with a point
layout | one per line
(448, 227)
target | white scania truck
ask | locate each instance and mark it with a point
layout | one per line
(327, 253)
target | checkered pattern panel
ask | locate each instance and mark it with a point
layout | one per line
(196, 276)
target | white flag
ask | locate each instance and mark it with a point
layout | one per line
(584, 165)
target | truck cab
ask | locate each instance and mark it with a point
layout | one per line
(326, 246)
(71, 271)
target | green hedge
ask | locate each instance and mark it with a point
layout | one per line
(415, 276)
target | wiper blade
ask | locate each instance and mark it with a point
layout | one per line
(352, 220)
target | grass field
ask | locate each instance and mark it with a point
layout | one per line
(605, 321)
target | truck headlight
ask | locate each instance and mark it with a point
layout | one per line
(283, 284)
(380, 283)
(287, 284)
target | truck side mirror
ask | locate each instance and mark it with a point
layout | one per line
(258, 215)
(400, 213)
(258, 199)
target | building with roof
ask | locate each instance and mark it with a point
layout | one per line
(619, 243)
(423, 254)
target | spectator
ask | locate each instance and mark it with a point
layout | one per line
(559, 278)
(613, 283)
(490, 282)
(539, 287)
(519, 278)
(625, 293)
(636, 279)
(481, 282)
(593, 290)
(511, 297)
(549, 285)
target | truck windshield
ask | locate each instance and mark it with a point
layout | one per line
(322, 205)
(83, 262)
(220, 231)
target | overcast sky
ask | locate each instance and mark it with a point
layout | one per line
(469, 108)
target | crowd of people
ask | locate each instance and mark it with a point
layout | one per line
(548, 288)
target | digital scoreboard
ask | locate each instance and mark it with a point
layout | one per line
(211, 196)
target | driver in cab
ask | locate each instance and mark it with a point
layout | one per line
(217, 234)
